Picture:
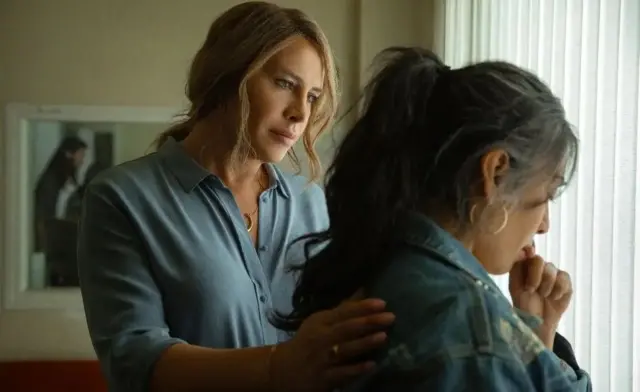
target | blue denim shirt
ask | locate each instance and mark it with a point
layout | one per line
(455, 330)
(164, 257)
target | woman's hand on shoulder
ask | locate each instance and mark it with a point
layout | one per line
(326, 352)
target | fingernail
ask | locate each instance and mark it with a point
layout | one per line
(529, 252)
(380, 337)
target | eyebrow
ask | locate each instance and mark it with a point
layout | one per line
(299, 80)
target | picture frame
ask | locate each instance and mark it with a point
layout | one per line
(17, 217)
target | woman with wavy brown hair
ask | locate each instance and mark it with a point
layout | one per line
(182, 253)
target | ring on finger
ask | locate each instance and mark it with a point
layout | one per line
(335, 350)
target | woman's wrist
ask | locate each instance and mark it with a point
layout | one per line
(279, 368)
(271, 373)
(547, 333)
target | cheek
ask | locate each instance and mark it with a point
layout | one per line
(525, 224)
(261, 101)
(264, 110)
(540, 219)
(495, 254)
(257, 119)
(498, 252)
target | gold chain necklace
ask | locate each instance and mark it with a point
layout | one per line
(248, 218)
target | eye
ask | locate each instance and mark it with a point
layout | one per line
(313, 98)
(283, 83)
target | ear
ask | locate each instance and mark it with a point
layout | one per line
(494, 166)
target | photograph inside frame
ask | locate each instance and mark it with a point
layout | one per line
(64, 157)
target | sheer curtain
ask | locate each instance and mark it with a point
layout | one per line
(589, 52)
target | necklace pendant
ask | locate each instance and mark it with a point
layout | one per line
(249, 222)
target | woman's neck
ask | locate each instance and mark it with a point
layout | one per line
(213, 151)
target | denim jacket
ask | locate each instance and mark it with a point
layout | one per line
(454, 329)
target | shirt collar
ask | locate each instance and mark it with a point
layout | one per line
(190, 174)
(416, 229)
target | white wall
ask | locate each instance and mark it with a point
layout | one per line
(134, 140)
(122, 52)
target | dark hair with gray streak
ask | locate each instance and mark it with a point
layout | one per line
(418, 143)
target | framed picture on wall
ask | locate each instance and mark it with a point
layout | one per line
(53, 152)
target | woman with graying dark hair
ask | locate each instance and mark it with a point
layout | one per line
(444, 179)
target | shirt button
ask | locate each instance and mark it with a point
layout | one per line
(263, 299)
(263, 248)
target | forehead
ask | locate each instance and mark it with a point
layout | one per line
(300, 58)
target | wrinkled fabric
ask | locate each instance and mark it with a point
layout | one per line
(454, 329)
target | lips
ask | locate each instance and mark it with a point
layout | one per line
(284, 133)
(527, 252)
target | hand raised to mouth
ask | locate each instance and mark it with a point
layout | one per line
(541, 289)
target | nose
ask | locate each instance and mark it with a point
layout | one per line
(544, 223)
(297, 111)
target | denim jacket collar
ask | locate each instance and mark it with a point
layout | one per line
(418, 230)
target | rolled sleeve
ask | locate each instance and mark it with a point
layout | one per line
(122, 303)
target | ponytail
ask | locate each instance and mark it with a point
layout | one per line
(178, 132)
(373, 179)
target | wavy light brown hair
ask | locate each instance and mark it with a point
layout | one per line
(238, 44)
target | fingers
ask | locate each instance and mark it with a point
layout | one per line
(530, 250)
(534, 269)
(551, 282)
(357, 296)
(339, 375)
(357, 327)
(563, 286)
(548, 280)
(524, 274)
(356, 348)
(541, 277)
(353, 309)
(344, 369)
(517, 277)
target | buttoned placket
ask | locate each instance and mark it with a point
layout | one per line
(262, 248)
(263, 255)
(253, 256)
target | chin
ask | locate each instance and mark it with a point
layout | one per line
(501, 271)
(273, 156)
(497, 268)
